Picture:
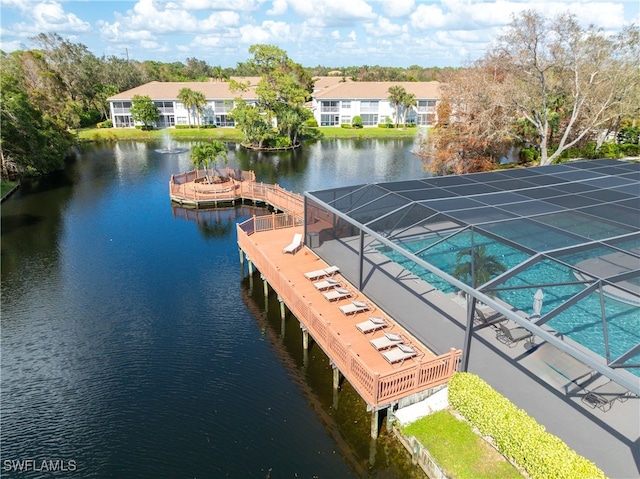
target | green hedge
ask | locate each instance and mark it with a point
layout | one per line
(515, 434)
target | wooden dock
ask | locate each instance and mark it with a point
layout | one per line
(261, 240)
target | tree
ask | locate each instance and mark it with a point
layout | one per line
(144, 111)
(30, 141)
(208, 154)
(555, 67)
(476, 267)
(396, 95)
(199, 102)
(548, 84)
(408, 102)
(278, 116)
(185, 95)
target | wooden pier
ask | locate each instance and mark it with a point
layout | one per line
(261, 240)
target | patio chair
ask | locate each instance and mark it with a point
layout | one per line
(295, 245)
(337, 294)
(512, 336)
(325, 284)
(354, 307)
(387, 341)
(399, 354)
(371, 325)
(321, 273)
(605, 395)
(483, 321)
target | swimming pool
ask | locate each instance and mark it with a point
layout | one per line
(582, 322)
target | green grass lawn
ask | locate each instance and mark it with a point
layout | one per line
(232, 134)
(5, 186)
(458, 450)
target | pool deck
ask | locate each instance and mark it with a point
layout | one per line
(610, 439)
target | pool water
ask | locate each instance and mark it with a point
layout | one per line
(582, 322)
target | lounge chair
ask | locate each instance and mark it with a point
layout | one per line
(295, 245)
(387, 341)
(337, 294)
(562, 365)
(399, 354)
(483, 321)
(605, 395)
(512, 336)
(354, 307)
(321, 273)
(371, 325)
(325, 284)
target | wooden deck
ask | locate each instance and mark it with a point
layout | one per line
(378, 382)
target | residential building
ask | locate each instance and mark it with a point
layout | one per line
(340, 103)
(334, 101)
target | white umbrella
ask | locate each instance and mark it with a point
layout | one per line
(537, 303)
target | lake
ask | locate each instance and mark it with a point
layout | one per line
(134, 344)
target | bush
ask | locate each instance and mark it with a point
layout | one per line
(629, 149)
(182, 127)
(356, 122)
(282, 142)
(105, 124)
(609, 150)
(527, 155)
(209, 126)
(629, 134)
(312, 123)
(346, 125)
(386, 125)
(515, 434)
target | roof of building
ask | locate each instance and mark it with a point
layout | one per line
(570, 230)
(325, 88)
(169, 90)
(376, 90)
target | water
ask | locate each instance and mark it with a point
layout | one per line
(134, 346)
(582, 323)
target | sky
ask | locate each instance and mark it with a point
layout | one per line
(331, 33)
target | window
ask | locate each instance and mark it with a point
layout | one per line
(164, 106)
(222, 106)
(123, 121)
(329, 120)
(121, 107)
(181, 120)
(224, 120)
(369, 120)
(345, 120)
(426, 106)
(369, 106)
(346, 104)
(329, 106)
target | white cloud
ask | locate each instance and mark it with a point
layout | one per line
(384, 28)
(279, 7)
(428, 16)
(335, 34)
(268, 32)
(352, 36)
(334, 11)
(235, 5)
(218, 20)
(398, 8)
(45, 17)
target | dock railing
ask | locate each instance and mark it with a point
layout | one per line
(377, 389)
(184, 187)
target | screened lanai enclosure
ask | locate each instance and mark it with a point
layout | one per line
(555, 249)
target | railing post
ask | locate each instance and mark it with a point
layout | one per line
(376, 387)
(452, 353)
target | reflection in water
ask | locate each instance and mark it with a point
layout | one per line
(128, 341)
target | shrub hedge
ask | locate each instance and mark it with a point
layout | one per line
(516, 435)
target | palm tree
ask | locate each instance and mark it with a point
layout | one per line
(185, 95)
(207, 154)
(199, 101)
(396, 94)
(478, 267)
(408, 101)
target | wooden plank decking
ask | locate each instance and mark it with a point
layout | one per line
(378, 382)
